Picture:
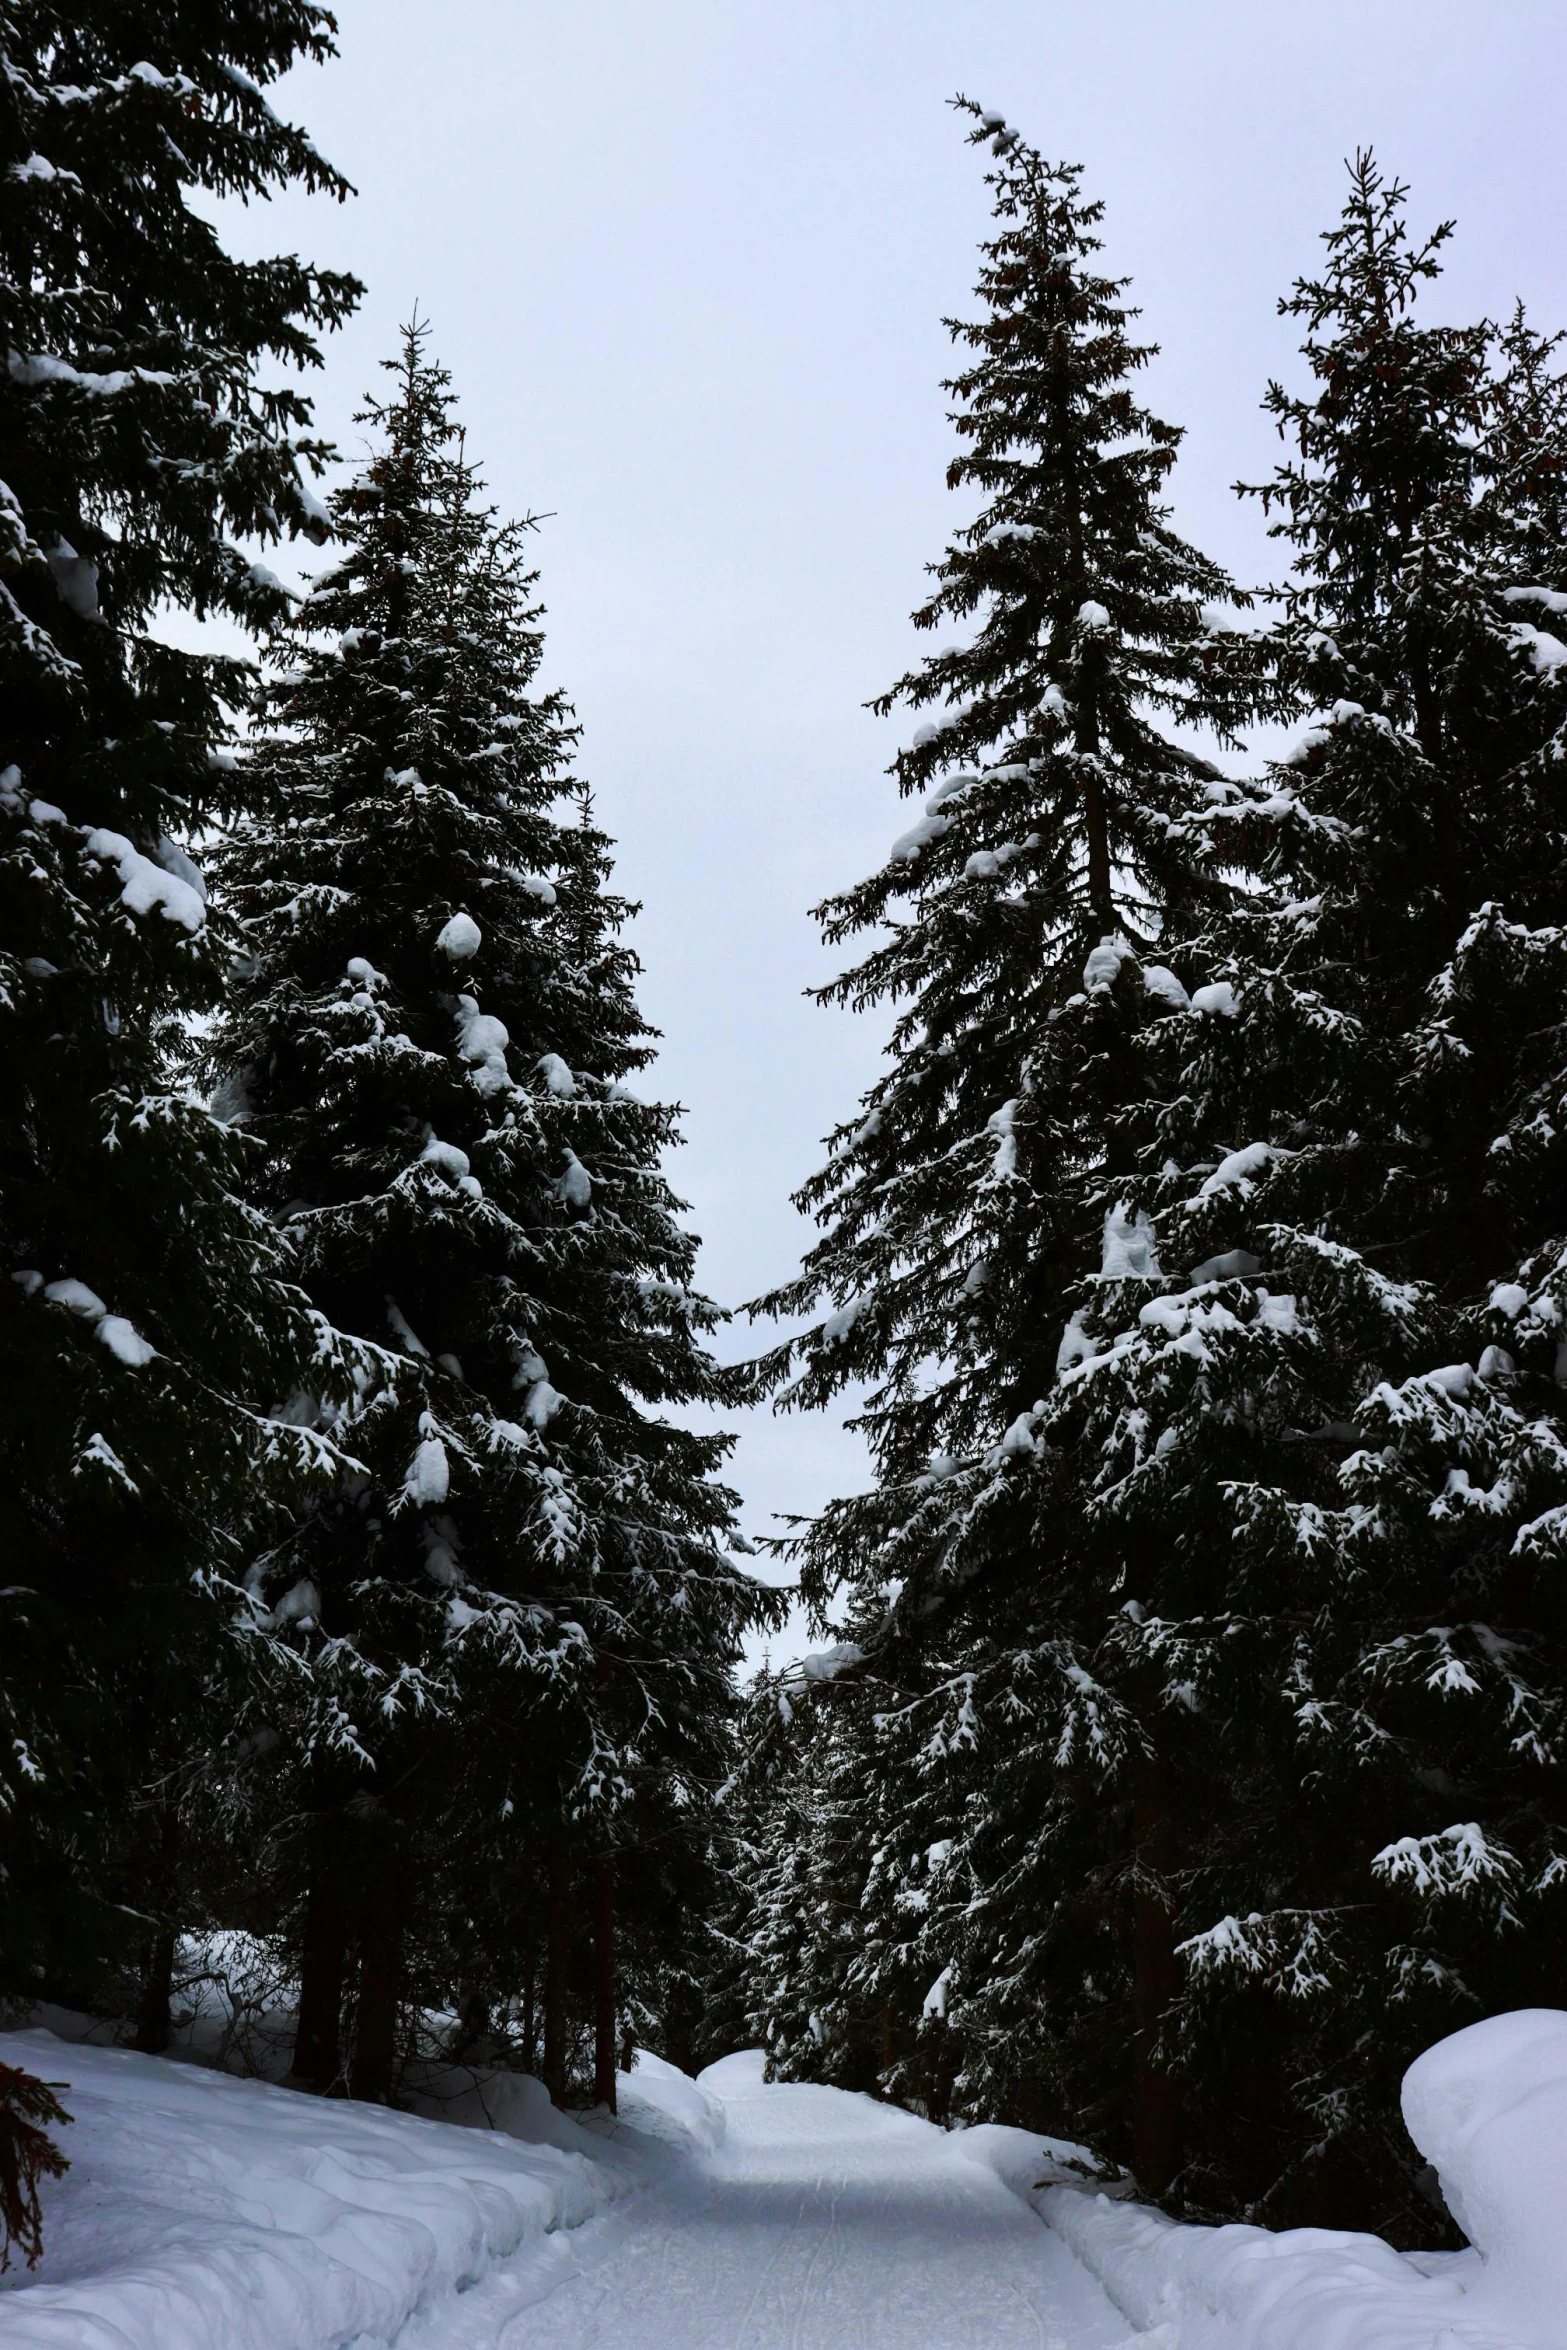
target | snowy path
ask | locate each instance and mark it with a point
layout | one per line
(821, 2221)
(205, 2212)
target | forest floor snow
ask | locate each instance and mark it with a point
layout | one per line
(824, 2221)
(204, 2212)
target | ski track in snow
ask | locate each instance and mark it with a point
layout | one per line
(822, 2221)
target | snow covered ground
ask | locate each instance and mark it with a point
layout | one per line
(823, 2222)
(1488, 2107)
(203, 2212)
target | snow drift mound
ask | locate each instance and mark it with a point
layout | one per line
(1245, 2288)
(202, 2212)
(659, 2101)
(1489, 2108)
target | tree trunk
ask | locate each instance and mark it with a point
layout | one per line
(1156, 2122)
(556, 1953)
(157, 1983)
(1096, 825)
(604, 1979)
(1085, 733)
(886, 2041)
(380, 1970)
(157, 1988)
(318, 2058)
(530, 2047)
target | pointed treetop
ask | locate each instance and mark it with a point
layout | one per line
(1388, 443)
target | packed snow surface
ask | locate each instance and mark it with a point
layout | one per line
(207, 2213)
(823, 2221)
(203, 2212)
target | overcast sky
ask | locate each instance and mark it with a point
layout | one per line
(688, 261)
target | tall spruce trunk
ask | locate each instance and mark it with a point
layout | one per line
(1156, 2119)
(380, 1968)
(157, 1979)
(530, 2040)
(556, 1956)
(604, 1979)
(318, 2053)
(157, 1990)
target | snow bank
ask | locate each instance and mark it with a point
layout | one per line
(1242, 2288)
(661, 2111)
(1023, 2162)
(1488, 2107)
(480, 2097)
(742, 2075)
(660, 2102)
(202, 2212)
(206, 2212)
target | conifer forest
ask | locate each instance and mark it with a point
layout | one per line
(1181, 1751)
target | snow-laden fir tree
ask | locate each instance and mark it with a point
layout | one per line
(1032, 924)
(1308, 1452)
(143, 1317)
(513, 1938)
(515, 1631)
(1385, 1112)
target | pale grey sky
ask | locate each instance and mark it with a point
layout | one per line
(688, 263)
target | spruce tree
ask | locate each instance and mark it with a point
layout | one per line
(1307, 1452)
(1382, 1117)
(515, 1629)
(146, 1326)
(1035, 918)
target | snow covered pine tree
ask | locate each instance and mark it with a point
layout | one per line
(143, 1310)
(1316, 1463)
(978, 1817)
(1348, 1420)
(518, 1628)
